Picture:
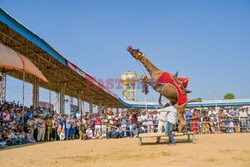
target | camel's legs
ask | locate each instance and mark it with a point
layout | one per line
(166, 90)
(170, 92)
(180, 115)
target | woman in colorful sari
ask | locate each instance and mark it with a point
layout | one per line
(195, 127)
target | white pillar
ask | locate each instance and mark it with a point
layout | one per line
(35, 93)
(62, 99)
(100, 107)
(56, 106)
(91, 107)
(70, 103)
(82, 106)
(79, 102)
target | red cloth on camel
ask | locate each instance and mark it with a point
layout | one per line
(169, 78)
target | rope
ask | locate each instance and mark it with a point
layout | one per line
(138, 64)
(141, 67)
(145, 94)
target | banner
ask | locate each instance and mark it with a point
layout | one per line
(89, 78)
(46, 105)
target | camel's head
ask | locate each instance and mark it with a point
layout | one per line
(136, 53)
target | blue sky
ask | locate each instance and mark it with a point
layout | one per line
(208, 40)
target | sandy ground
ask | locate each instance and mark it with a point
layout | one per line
(210, 150)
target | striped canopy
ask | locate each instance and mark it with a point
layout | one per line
(10, 59)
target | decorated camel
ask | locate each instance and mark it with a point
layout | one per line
(166, 84)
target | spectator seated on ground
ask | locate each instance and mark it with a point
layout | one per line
(30, 138)
(10, 138)
(112, 133)
(120, 132)
(17, 139)
(2, 142)
(98, 135)
(128, 132)
(89, 133)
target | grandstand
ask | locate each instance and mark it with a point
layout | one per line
(64, 77)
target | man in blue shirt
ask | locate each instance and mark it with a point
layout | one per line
(188, 116)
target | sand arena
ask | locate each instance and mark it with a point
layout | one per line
(210, 150)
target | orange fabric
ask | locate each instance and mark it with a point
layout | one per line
(10, 59)
(185, 81)
(168, 78)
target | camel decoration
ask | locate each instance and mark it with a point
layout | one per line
(166, 84)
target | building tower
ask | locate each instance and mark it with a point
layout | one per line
(129, 80)
(2, 86)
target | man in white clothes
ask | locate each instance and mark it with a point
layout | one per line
(171, 120)
(248, 119)
(162, 118)
(243, 119)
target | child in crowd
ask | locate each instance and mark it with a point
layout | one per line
(82, 131)
(30, 138)
(104, 126)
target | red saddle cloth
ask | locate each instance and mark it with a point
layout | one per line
(169, 78)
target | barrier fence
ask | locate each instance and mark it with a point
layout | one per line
(198, 125)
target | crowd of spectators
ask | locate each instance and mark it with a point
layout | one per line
(222, 120)
(20, 125)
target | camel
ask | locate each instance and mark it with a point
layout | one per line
(172, 88)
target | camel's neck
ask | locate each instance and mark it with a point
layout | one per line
(149, 66)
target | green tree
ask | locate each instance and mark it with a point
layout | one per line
(195, 100)
(229, 96)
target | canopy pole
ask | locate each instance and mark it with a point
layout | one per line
(216, 108)
(23, 95)
(50, 101)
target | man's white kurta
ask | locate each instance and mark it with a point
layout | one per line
(171, 114)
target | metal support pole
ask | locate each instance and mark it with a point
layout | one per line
(218, 118)
(2, 87)
(23, 96)
(35, 93)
